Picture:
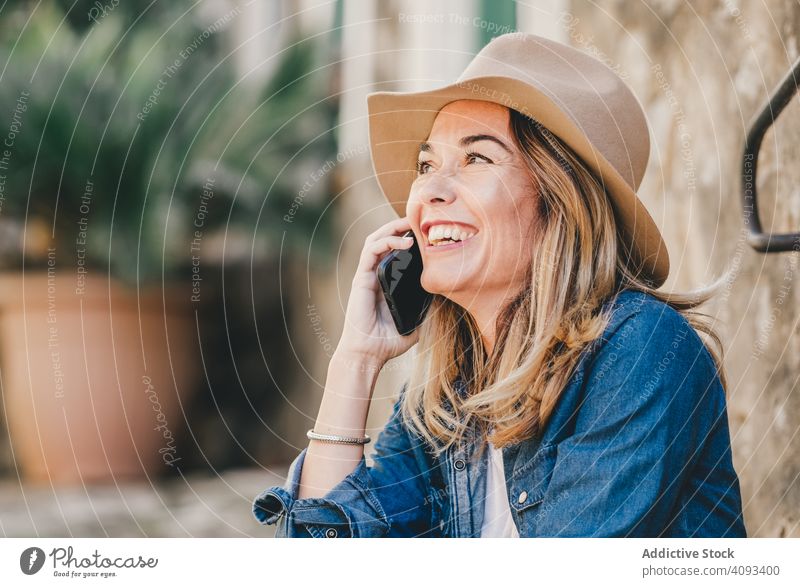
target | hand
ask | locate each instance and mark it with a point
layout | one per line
(369, 329)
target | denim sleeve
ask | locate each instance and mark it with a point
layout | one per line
(652, 399)
(387, 498)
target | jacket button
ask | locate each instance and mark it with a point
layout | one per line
(331, 533)
(459, 464)
(522, 497)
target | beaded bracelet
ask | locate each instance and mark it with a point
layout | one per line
(337, 439)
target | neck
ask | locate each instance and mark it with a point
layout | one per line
(484, 311)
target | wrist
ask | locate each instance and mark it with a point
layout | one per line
(357, 361)
(352, 375)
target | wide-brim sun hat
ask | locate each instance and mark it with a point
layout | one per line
(575, 96)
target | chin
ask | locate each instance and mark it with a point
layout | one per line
(442, 285)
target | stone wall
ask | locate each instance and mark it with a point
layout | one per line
(702, 71)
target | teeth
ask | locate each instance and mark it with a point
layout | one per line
(442, 231)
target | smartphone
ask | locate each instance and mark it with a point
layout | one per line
(399, 274)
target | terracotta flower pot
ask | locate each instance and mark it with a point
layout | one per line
(94, 378)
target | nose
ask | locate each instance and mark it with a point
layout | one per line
(438, 190)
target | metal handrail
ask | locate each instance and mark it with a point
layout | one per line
(757, 238)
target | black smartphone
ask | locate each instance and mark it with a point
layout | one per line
(399, 274)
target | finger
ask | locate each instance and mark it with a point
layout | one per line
(390, 228)
(373, 252)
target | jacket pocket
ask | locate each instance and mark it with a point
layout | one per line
(531, 480)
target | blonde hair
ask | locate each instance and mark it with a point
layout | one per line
(577, 263)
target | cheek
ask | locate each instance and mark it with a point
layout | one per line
(511, 234)
(511, 258)
(510, 246)
(411, 204)
(414, 202)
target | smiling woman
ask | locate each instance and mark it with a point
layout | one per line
(546, 340)
(473, 177)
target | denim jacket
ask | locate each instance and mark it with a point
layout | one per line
(638, 445)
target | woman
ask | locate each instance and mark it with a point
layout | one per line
(555, 392)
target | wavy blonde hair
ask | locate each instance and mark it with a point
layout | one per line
(577, 263)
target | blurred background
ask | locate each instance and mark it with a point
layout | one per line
(185, 188)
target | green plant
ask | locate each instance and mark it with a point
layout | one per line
(126, 126)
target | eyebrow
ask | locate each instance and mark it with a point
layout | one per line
(468, 140)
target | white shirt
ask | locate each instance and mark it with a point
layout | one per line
(497, 521)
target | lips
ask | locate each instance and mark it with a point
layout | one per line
(462, 227)
(447, 247)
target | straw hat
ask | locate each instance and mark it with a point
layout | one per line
(575, 96)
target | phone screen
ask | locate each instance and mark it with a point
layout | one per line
(399, 274)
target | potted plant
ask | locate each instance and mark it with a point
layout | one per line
(131, 162)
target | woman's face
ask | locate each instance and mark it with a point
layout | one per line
(472, 185)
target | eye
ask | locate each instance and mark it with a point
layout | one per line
(473, 157)
(423, 167)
